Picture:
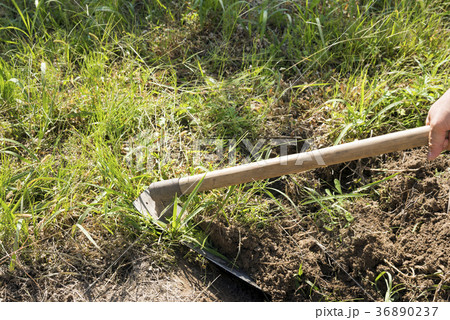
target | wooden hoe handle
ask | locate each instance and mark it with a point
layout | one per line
(294, 163)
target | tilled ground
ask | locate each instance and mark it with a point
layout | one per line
(405, 233)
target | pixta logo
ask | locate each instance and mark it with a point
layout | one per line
(149, 150)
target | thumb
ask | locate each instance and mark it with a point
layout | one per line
(436, 142)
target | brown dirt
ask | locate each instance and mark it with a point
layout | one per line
(405, 232)
(67, 271)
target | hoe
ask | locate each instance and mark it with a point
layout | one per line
(157, 200)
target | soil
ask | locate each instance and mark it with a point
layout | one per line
(122, 272)
(404, 231)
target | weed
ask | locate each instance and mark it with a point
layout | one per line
(392, 291)
(332, 205)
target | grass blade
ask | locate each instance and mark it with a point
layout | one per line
(87, 234)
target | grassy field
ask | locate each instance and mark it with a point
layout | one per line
(100, 98)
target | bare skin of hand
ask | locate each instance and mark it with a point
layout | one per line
(439, 121)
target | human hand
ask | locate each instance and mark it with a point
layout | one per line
(439, 121)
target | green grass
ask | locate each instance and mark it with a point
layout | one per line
(82, 82)
(391, 290)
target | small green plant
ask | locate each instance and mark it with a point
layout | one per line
(298, 276)
(392, 291)
(332, 205)
(180, 226)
